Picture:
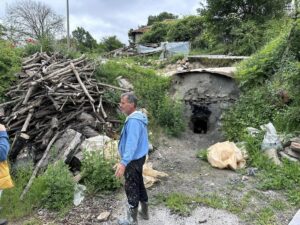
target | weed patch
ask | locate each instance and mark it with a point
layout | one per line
(98, 173)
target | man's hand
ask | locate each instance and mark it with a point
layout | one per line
(2, 127)
(120, 170)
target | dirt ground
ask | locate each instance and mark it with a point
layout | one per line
(189, 175)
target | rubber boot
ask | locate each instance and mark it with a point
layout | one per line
(131, 217)
(144, 211)
(3, 222)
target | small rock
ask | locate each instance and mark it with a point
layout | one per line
(252, 171)
(103, 216)
(245, 178)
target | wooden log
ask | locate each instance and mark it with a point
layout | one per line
(25, 109)
(27, 121)
(295, 146)
(18, 144)
(284, 155)
(59, 65)
(61, 108)
(35, 57)
(28, 94)
(36, 169)
(54, 74)
(31, 66)
(296, 139)
(10, 102)
(55, 104)
(112, 86)
(99, 117)
(292, 153)
(49, 133)
(101, 107)
(81, 83)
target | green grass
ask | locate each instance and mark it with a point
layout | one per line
(247, 206)
(202, 154)
(52, 190)
(264, 216)
(12, 207)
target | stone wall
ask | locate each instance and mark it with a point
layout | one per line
(215, 91)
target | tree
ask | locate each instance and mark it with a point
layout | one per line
(247, 9)
(161, 17)
(2, 31)
(111, 43)
(157, 33)
(33, 19)
(234, 23)
(186, 29)
(84, 39)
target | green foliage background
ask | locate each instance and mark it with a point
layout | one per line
(10, 62)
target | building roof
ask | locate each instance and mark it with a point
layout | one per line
(140, 30)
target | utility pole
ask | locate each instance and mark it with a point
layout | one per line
(68, 26)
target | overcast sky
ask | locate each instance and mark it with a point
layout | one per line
(113, 17)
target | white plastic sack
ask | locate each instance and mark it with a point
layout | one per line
(225, 155)
(94, 143)
(79, 194)
(271, 139)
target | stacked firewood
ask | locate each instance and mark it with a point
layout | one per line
(52, 95)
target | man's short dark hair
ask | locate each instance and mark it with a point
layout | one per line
(130, 97)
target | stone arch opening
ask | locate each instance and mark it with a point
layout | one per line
(206, 95)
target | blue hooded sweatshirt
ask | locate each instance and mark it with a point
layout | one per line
(133, 142)
(4, 145)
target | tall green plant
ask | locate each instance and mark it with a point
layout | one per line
(56, 187)
(10, 62)
(98, 172)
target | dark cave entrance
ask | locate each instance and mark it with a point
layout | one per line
(200, 118)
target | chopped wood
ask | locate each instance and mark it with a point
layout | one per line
(47, 99)
(286, 156)
(25, 126)
(292, 153)
(112, 86)
(80, 82)
(295, 146)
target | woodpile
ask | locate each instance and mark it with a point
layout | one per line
(53, 98)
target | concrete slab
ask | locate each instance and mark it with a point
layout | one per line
(296, 219)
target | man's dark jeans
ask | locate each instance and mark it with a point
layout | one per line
(134, 183)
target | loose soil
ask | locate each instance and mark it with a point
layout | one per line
(188, 175)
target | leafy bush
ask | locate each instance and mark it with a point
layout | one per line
(186, 29)
(170, 114)
(269, 73)
(55, 188)
(10, 62)
(44, 45)
(98, 172)
(263, 64)
(158, 33)
(252, 110)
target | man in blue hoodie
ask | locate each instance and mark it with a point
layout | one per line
(4, 147)
(133, 148)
